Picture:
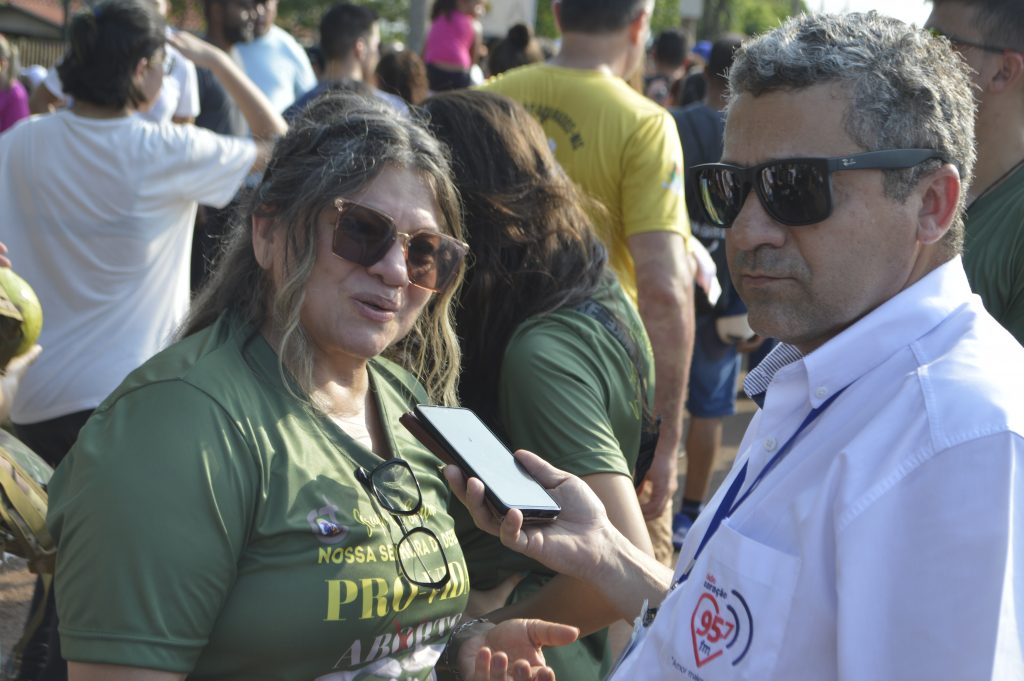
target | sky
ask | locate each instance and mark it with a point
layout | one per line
(910, 11)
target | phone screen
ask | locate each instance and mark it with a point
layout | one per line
(487, 458)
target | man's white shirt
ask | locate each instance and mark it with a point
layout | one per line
(885, 544)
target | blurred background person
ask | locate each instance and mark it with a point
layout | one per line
(274, 60)
(623, 150)
(178, 100)
(989, 35)
(13, 97)
(716, 356)
(98, 206)
(517, 48)
(403, 73)
(667, 58)
(453, 43)
(555, 356)
(350, 41)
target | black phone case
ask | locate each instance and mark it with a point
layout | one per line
(433, 441)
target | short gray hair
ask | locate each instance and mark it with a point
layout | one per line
(908, 90)
(337, 145)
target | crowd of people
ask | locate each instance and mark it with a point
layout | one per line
(254, 257)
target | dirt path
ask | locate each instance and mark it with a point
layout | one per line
(16, 584)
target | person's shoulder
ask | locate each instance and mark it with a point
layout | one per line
(215, 365)
(285, 40)
(399, 379)
(970, 371)
(521, 76)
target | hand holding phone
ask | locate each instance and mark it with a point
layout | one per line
(458, 436)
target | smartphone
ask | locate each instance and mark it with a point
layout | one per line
(459, 436)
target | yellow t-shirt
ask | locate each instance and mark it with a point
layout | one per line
(618, 146)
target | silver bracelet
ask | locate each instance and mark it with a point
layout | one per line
(460, 634)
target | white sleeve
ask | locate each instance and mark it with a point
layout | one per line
(214, 166)
(929, 584)
(184, 71)
(305, 79)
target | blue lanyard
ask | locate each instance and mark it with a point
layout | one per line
(730, 503)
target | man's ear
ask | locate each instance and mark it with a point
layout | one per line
(140, 69)
(638, 25)
(938, 203)
(359, 51)
(263, 237)
(1010, 73)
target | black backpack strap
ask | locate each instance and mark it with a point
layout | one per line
(649, 424)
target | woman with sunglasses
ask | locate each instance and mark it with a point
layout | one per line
(556, 359)
(246, 504)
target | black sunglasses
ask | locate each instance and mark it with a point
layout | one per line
(961, 42)
(363, 235)
(418, 553)
(793, 191)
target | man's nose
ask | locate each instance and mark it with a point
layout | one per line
(753, 227)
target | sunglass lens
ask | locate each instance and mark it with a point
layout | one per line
(432, 261)
(795, 192)
(362, 236)
(722, 194)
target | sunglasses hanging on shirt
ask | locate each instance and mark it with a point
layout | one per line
(793, 191)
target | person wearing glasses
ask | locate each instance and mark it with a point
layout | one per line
(556, 358)
(989, 35)
(871, 525)
(246, 504)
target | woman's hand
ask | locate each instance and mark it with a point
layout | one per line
(196, 50)
(512, 650)
(570, 545)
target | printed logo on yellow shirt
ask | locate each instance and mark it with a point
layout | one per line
(674, 183)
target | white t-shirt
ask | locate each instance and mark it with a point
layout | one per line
(179, 93)
(98, 217)
(887, 543)
(279, 67)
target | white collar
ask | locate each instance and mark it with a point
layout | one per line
(895, 324)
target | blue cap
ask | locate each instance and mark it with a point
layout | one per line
(703, 48)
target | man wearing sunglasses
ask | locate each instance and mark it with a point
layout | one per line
(989, 35)
(871, 527)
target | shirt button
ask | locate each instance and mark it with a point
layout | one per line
(770, 444)
(822, 391)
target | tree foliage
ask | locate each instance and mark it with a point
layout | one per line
(745, 16)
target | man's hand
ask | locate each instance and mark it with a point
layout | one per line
(570, 545)
(513, 650)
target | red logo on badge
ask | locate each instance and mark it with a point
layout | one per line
(710, 631)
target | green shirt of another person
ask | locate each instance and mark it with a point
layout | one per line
(994, 251)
